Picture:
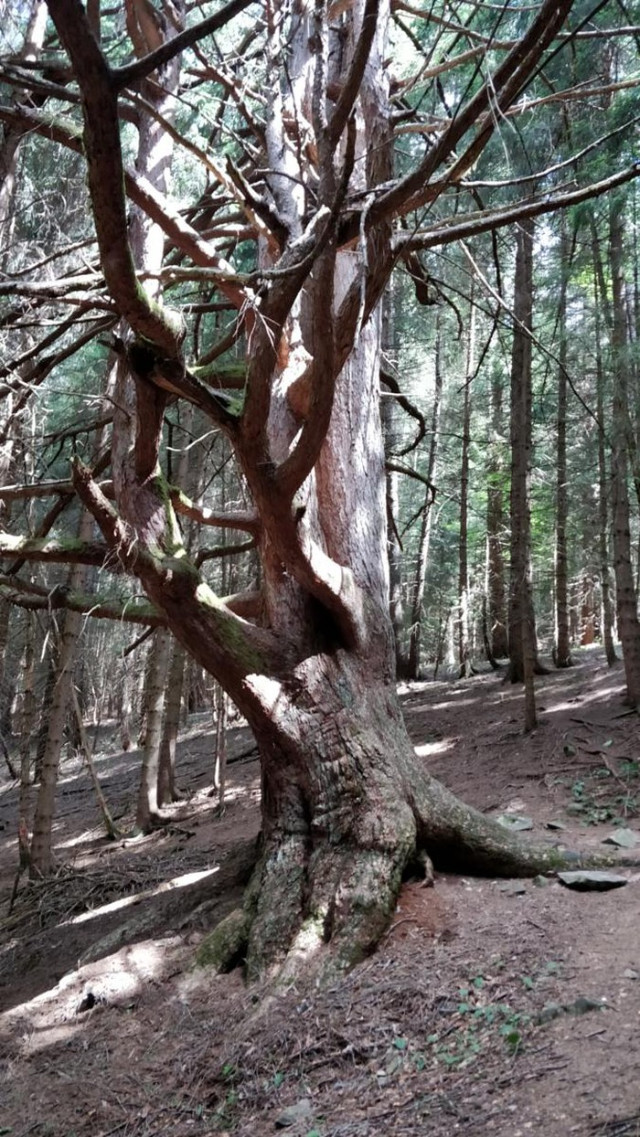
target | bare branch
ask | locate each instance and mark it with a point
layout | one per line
(133, 72)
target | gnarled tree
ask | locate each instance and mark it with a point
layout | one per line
(309, 661)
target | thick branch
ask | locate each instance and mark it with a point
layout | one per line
(57, 551)
(106, 177)
(129, 610)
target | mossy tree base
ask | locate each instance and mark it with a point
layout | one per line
(348, 812)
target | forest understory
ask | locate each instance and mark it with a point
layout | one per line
(502, 1007)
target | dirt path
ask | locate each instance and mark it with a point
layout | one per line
(491, 1007)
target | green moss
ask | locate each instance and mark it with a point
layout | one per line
(225, 946)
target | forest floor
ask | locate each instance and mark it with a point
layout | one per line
(499, 1007)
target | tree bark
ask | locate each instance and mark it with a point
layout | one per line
(562, 650)
(464, 653)
(626, 598)
(521, 616)
(495, 572)
(607, 617)
(420, 580)
(167, 790)
(346, 805)
(42, 859)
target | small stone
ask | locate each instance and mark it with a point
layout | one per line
(554, 825)
(623, 838)
(300, 1111)
(629, 973)
(592, 880)
(513, 888)
(540, 881)
(515, 822)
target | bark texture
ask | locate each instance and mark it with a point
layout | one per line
(346, 806)
(626, 597)
(522, 634)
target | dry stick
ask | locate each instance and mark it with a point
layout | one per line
(112, 830)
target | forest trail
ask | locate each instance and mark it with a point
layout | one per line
(508, 1008)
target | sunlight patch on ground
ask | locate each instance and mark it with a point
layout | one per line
(449, 704)
(56, 1014)
(602, 695)
(427, 749)
(137, 897)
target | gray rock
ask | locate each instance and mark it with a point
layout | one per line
(515, 822)
(623, 838)
(591, 880)
(301, 1111)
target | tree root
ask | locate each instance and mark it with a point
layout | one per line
(316, 914)
(458, 838)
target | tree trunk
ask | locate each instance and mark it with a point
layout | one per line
(147, 812)
(392, 440)
(562, 650)
(27, 729)
(420, 581)
(603, 479)
(464, 655)
(220, 749)
(346, 805)
(626, 599)
(42, 862)
(521, 615)
(167, 791)
(495, 571)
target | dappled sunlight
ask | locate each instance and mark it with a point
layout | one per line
(602, 695)
(429, 749)
(55, 1016)
(138, 897)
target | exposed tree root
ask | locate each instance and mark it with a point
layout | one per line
(317, 913)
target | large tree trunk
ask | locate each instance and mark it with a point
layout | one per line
(626, 599)
(346, 806)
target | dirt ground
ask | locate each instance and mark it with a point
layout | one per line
(501, 1007)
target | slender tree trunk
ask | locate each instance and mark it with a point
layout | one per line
(464, 659)
(147, 812)
(167, 770)
(27, 730)
(521, 616)
(85, 749)
(220, 755)
(422, 563)
(607, 618)
(562, 650)
(626, 599)
(392, 445)
(42, 862)
(167, 791)
(498, 643)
